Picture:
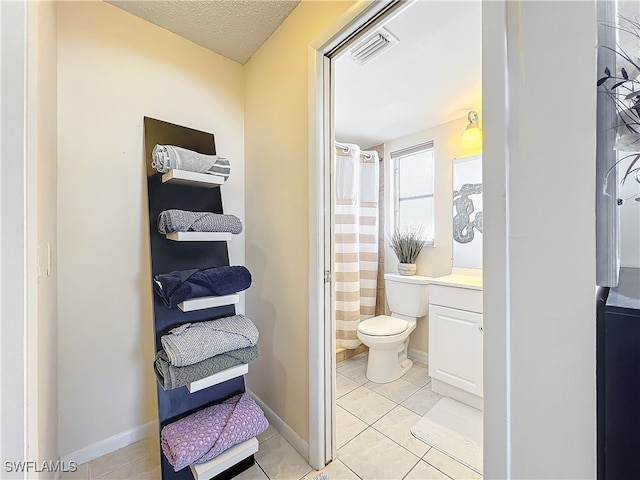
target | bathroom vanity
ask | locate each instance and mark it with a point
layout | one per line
(455, 337)
(618, 377)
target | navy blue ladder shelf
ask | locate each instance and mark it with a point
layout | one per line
(186, 191)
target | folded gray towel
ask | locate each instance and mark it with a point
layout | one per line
(194, 342)
(184, 221)
(171, 377)
(169, 157)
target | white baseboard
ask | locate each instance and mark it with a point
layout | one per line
(111, 444)
(120, 440)
(285, 430)
(418, 355)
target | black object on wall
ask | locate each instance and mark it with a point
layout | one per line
(618, 378)
(168, 255)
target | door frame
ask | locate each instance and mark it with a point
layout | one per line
(500, 28)
(361, 17)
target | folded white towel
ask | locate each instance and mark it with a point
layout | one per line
(170, 157)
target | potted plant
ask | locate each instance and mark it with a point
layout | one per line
(621, 83)
(407, 245)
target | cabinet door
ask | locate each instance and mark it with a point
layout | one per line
(455, 348)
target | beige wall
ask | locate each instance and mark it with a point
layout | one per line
(436, 260)
(276, 123)
(43, 111)
(113, 69)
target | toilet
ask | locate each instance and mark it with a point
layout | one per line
(388, 336)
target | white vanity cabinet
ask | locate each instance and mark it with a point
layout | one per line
(455, 338)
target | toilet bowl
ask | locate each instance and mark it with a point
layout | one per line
(387, 342)
(388, 336)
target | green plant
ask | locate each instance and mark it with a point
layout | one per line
(408, 244)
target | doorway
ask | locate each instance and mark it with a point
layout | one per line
(440, 257)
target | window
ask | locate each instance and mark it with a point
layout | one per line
(413, 193)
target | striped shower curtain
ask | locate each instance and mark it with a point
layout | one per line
(356, 240)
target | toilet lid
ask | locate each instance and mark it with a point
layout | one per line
(383, 325)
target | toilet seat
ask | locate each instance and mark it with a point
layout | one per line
(382, 326)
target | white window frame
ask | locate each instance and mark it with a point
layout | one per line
(395, 158)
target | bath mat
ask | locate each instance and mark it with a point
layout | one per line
(321, 476)
(455, 429)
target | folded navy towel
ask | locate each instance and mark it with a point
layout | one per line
(181, 285)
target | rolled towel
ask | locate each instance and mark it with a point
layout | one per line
(169, 157)
(194, 342)
(170, 377)
(180, 285)
(201, 436)
(170, 221)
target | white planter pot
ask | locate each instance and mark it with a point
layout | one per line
(407, 269)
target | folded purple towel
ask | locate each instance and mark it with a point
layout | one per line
(207, 433)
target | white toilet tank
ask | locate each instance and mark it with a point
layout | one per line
(408, 295)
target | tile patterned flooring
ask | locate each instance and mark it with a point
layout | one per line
(373, 439)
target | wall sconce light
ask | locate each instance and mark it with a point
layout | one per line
(472, 136)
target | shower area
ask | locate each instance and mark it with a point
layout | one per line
(358, 243)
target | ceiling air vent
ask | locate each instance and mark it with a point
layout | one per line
(372, 46)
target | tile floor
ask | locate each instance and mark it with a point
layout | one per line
(373, 439)
(373, 427)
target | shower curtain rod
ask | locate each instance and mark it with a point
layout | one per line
(345, 149)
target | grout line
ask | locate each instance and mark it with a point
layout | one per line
(458, 462)
(402, 446)
(357, 385)
(91, 477)
(139, 459)
(431, 465)
(425, 453)
(453, 459)
(352, 439)
(418, 458)
(411, 469)
(361, 419)
(349, 468)
(260, 467)
(287, 442)
(270, 436)
(353, 380)
(371, 425)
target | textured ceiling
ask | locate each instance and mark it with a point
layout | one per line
(432, 76)
(233, 28)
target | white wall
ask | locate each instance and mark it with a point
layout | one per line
(539, 309)
(113, 69)
(630, 210)
(630, 225)
(15, 301)
(42, 138)
(436, 260)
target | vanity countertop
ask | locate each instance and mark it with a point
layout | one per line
(472, 282)
(626, 296)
